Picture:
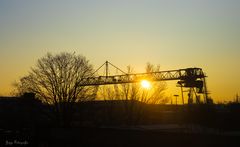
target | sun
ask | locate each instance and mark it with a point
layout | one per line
(145, 84)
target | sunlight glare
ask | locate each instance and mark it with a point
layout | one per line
(145, 84)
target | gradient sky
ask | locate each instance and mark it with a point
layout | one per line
(173, 33)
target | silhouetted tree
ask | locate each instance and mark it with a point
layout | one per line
(154, 95)
(134, 96)
(56, 81)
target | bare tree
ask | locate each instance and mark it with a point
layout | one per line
(136, 96)
(55, 80)
(154, 95)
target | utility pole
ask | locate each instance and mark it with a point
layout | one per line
(237, 99)
(176, 95)
(182, 94)
(107, 69)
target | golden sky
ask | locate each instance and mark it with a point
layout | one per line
(175, 34)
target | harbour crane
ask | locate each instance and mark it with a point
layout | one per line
(192, 78)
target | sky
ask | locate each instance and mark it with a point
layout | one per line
(172, 33)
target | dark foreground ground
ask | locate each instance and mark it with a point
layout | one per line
(100, 137)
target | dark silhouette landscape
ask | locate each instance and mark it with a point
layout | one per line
(26, 121)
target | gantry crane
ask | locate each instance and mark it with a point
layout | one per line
(192, 78)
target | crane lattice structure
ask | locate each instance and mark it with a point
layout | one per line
(192, 78)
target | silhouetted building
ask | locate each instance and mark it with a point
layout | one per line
(19, 111)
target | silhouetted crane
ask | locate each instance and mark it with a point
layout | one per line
(192, 78)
